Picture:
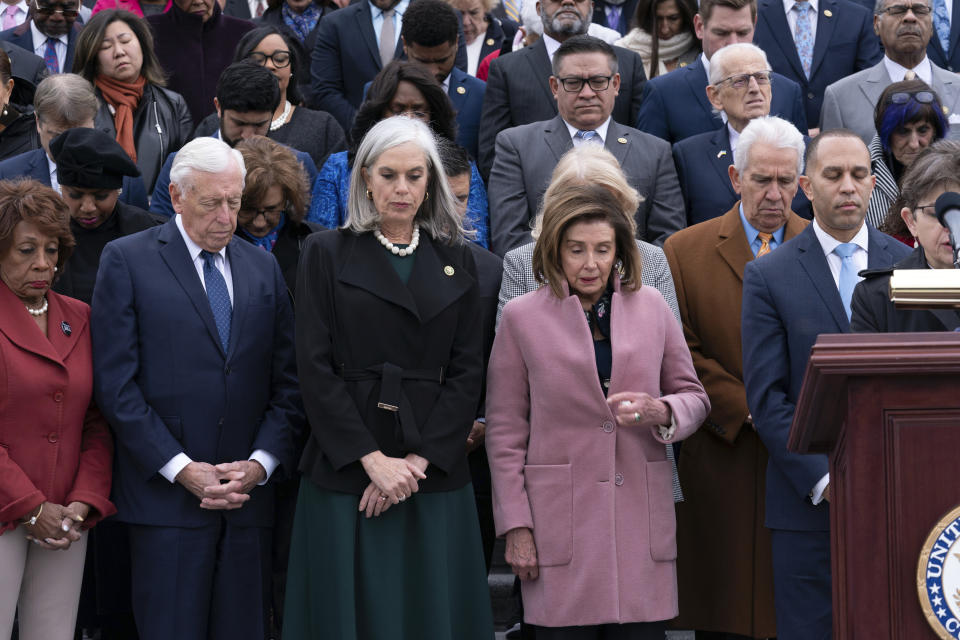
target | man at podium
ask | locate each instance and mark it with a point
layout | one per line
(791, 296)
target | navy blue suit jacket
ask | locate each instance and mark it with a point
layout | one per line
(703, 163)
(846, 34)
(466, 94)
(166, 386)
(674, 106)
(789, 298)
(950, 59)
(33, 164)
(22, 36)
(627, 11)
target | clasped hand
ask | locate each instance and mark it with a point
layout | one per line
(224, 486)
(57, 527)
(392, 480)
(633, 409)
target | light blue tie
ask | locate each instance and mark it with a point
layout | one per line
(589, 136)
(219, 297)
(803, 35)
(941, 22)
(848, 273)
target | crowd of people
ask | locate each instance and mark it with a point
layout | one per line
(303, 303)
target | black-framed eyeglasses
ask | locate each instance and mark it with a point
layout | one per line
(928, 210)
(742, 80)
(280, 59)
(575, 85)
(271, 215)
(900, 10)
(47, 10)
(923, 97)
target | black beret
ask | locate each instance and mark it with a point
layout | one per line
(90, 159)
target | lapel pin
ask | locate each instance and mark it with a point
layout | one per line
(448, 270)
(722, 153)
(828, 13)
(66, 329)
(945, 111)
(461, 90)
(622, 140)
(491, 42)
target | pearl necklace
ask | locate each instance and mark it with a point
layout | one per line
(282, 120)
(394, 249)
(36, 313)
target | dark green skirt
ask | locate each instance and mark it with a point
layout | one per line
(416, 572)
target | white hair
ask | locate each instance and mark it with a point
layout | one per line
(438, 212)
(530, 18)
(770, 130)
(207, 155)
(718, 63)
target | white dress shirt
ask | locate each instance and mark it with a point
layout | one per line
(792, 17)
(175, 465)
(551, 44)
(40, 46)
(897, 71)
(52, 168)
(601, 131)
(473, 54)
(20, 11)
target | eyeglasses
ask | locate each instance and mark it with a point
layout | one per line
(742, 80)
(932, 210)
(271, 215)
(280, 59)
(900, 10)
(923, 97)
(575, 85)
(416, 115)
(47, 10)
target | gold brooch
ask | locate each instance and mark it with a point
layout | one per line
(491, 42)
(622, 140)
(461, 90)
(448, 270)
(828, 13)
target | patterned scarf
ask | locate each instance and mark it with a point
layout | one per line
(266, 242)
(302, 23)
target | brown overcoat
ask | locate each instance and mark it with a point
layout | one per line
(724, 560)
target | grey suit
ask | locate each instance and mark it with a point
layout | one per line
(525, 159)
(849, 103)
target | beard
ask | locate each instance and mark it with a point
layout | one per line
(562, 27)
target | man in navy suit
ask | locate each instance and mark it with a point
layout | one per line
(704, 160)
(64, 101)
(791, 296)
(430, 37)
(50, 32)
(816, 43)
(613, 14)
(197, 376)
(945, 52)
(675, 105)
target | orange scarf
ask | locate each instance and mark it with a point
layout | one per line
(124, 98)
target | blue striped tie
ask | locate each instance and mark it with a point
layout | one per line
(218, 296)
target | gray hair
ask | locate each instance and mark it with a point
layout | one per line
(65, 98)
(438, 212)
(206, 155)
(878, 7)
(530, 18)
(770, 130)
(718, 63)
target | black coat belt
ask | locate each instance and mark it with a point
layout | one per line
(392, 397)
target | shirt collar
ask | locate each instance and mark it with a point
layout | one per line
(601, 130)
(446, 82)
(828, 243)
(752, 233)
(551, 44)
(40, 38)
(192, 247)
(897, 71)
(734, 136)
(399, 9)
(789, 4)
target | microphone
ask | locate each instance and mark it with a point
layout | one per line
(948, 213)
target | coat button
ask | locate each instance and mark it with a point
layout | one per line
(52, 438)
(607, 426)
(810, 95)
(58, 396)
(618, 479)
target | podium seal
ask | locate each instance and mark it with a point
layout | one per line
(938, 577)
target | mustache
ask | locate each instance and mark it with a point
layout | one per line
(909, 31)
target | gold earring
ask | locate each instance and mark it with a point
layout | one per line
(426, 195)
(369, 195)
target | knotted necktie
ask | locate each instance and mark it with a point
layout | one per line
(848, 273)
(512, 9)
(50, 56)
(803, 35)
(613, 17)
(589, 136)
(218, 296)
(764, 243)
(10, 17)
(387, 38)
(910, 75)
(261, 8)
(941, 23)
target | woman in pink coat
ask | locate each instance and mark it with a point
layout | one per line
(576, 425)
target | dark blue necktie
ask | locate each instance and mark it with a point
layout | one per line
(219, 297)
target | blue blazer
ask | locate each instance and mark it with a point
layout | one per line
(950, 59)
(789, 298)
(22, 36)
(165, 384)
(846, 34)
(703, 163)
(466, 94)
(674, 106)
(33, 164)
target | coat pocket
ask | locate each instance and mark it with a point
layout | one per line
(663, 521)
(550, 490)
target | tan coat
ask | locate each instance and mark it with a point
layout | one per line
(724, 558)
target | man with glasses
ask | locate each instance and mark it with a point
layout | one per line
(741, 89)
(50, 32)
(905, 28)
(585, 84)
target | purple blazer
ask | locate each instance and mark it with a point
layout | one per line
(596, 495)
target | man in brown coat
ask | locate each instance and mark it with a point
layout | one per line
(724, 559)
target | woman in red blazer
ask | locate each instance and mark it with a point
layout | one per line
(55, 448)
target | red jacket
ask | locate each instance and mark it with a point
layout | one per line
(54, 444)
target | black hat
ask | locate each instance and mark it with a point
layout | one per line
(90, 159)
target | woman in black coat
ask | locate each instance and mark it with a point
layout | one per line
(934, 172)
(18, 129)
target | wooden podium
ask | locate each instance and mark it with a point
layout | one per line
(886, 408)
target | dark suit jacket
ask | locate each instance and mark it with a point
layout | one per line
(872, 311)
(33, 164)
(703, 163)
(28, 70)
(22, 36)
(950, 59)
(675, 105)
(466, 94)
(527, 155)
(166, 386)
(354, 312)
(628, 9)
(500, 33)
(789, 298)
(237, 9)
(518, 92)
(844, 31)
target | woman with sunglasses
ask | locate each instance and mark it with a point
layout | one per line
(908, 117)
(115, 53)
